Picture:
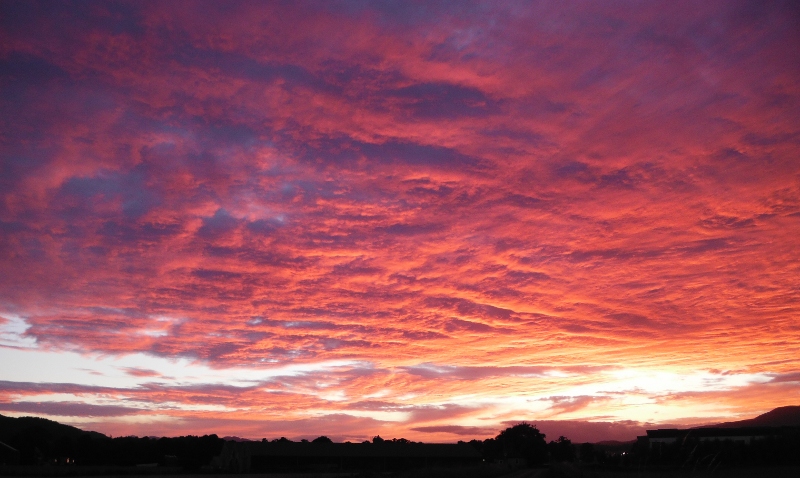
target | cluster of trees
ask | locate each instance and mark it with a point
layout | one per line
(394, 441)
(323, 439)
(525, 441)
(320, 439)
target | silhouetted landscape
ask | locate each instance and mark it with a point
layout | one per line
(31, 446)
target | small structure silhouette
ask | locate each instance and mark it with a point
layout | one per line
(740, 434)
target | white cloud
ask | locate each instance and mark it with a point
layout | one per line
(12, 332)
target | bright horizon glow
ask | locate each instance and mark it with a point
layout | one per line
(427, 221)
(120, 372)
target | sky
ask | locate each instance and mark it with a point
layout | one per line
(427, 220)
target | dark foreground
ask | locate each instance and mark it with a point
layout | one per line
(565, 470)
(571, 471)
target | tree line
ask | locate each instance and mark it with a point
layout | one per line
(41, 441)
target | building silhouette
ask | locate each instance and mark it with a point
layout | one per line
(740, 434)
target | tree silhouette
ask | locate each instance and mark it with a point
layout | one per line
(561, 450)
(587, 453)
(523, 441)
(322, 439)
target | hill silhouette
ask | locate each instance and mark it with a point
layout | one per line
(40, 441)
(10, 427)
(779, 417)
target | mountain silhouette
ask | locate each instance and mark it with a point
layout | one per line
(10, 427)
(779, 417)
(39, 441)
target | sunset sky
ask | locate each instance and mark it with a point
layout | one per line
(426, 220)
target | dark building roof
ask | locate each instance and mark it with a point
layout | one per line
(363, 450)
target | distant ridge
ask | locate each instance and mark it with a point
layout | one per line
(615, 442)
(11, 426)
(614, 446)
(779, 417)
